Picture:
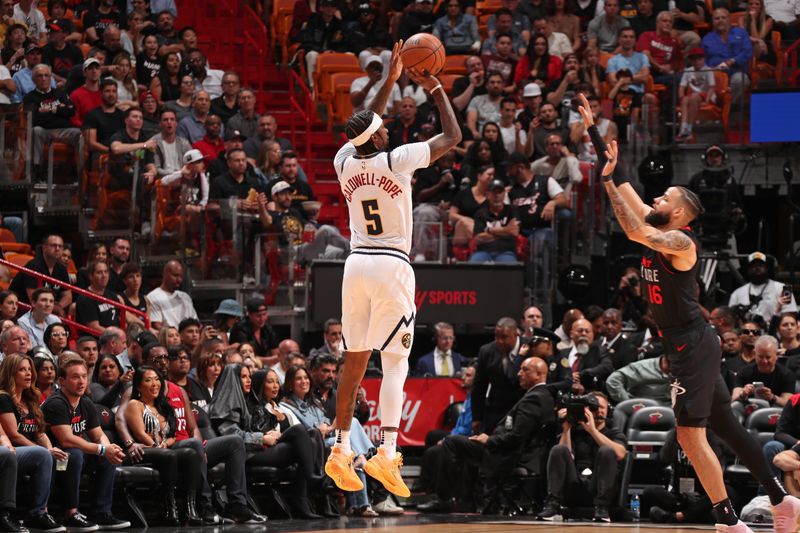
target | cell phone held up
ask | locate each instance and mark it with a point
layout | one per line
(786, 292)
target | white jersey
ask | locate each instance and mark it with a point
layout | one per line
(378, 194)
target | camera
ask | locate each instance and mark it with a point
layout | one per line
(575, 405)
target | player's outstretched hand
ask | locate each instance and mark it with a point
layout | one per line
(423, 79)
(396, 62)
(611, 158)
(585, 111)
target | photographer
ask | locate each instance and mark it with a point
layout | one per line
(628, 297)
(765, 378)
(762, 297)
(583, 465)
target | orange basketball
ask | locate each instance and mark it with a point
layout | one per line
(423, 52)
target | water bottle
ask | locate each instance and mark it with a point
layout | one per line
(635, 507)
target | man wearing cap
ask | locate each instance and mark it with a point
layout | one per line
(246, 119)
(364, 89)
(419, 17)
(233, 140)
(496, 228)
(532, 98)
(61, 55)
(226, 310)
(697, 87)
(212, 144)
(728, 48)
(26, 12)
(87, 96)
(193, 184)
(762, 296)
(104, 121)
(324, 32)
(23, 78)
(256, 331)
(51, 113)
(192, 127)
(170, 148)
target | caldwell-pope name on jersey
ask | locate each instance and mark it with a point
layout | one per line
(368, 178)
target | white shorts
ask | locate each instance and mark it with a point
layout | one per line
(378, 310)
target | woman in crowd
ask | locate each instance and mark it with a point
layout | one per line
(268, 161)
(491, 133)
(56, 338)
(97, 252)
(132, 296)
(759, 25)
(590, 71)
(565, 21)
(467, 202)
(538, 66)
(89, 311)
(45, 377)
(108, 381)
(247, 350)
(123, 75)
(788, 342)
(8, 305)
(182, 103)
(209, 367)
(481, 153)
(152, 423)
(169, 337)
(150, 114)
(269, 442)
(22, 421)
(253, 363)
(228, 313)
(167, 85)
(13, 53)
(148, 64)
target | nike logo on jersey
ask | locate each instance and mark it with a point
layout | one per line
(680, 348)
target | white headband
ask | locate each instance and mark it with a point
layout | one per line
(377, 122)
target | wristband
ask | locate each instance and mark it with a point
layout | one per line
(439, 86)
(599, 146)
(101, 451)
(620, 178)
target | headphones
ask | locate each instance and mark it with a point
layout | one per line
(712, 147)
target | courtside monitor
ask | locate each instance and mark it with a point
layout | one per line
(774, 116)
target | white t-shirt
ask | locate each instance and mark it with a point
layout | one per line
(767, 296)
(360, 83)
(559, 44)
(33, 20)
(698, 82)
(782, 10)
(379, 197)
(170, 309)
(4, 75)
(509, 134)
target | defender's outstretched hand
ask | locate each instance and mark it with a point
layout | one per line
(585, 111)
(611, 158)
(396, 62)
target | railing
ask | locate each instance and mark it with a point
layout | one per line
(304, 111)
(790, 64)
(73, 325)
(89, 294)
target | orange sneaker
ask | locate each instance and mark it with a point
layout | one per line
(339, 468)
(387, 471)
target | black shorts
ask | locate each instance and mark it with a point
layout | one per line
(694, 365)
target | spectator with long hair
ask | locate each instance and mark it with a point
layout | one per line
(484, 152)
(152, 423)
(56, 339)
(167, 85)
(268, 161)
(209, 368)
(108, 381)
(491, 133)
(8, 305)
(132, 296)
(788, 336)
(22, 421)
(759, 26)
(124, 76)
(591, 71)
(565, 21)
(228, 313)
(467, 202)
(235, 410)
(538, 65)
(45, 377)
(97, 252)
(169, 336)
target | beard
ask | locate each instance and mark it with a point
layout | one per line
(582, 346)
(657, 219)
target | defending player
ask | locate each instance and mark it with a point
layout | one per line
(699, 395)
(378, 287)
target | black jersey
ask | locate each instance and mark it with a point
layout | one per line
(672, 294)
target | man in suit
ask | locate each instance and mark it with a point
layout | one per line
(511, 442)
(589, 366)
(442, 361)
(613, 344)
(496, 387)
(647, 341)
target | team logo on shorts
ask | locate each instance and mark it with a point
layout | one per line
(406, 340)
(676, 390)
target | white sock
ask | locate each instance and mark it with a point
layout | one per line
(343, 442)
(389, 443)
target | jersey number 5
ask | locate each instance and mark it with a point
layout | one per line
(373, 217)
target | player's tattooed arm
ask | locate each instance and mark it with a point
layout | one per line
(669, 241)
(628, 218)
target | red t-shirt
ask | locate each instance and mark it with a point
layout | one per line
(175, 399)
(209, 149)
(84, 100)
(663, 50)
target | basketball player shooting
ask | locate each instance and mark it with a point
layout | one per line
(378, 308)
(700, 397)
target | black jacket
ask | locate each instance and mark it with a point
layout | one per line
(594, 368)
(622, 352)
(360, 37)
(320, 36)
(499, 371)
(51, 110)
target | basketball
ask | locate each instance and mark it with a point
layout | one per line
(423, 52)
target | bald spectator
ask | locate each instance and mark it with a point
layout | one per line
(724, 319)
(408, 126)
(212, 144)
(226, 105)
(114, 342)
(112, 44)
(192, 127)
(764, 378)
(614, 344)
(168, 304)
(589, 366)
(246, 119)
(570, 316)
(286, 348)
(604, 29)
(559, 163)
(14, 340)
(728, 48)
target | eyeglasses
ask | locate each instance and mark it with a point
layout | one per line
(157, 358)
(750, 332)
(59, 334)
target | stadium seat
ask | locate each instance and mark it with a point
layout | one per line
(8, 243)
(625, 409)
(760, 424)
(720, 110)
(165, 202)
(455, 64)
(647, 433)
(280, 23)
(760, 70)
(340, 107)
(448, 80)
(329, 64)
(17, 259)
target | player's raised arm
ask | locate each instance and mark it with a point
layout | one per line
(378, 103)
(600, 148)
(451, 132)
